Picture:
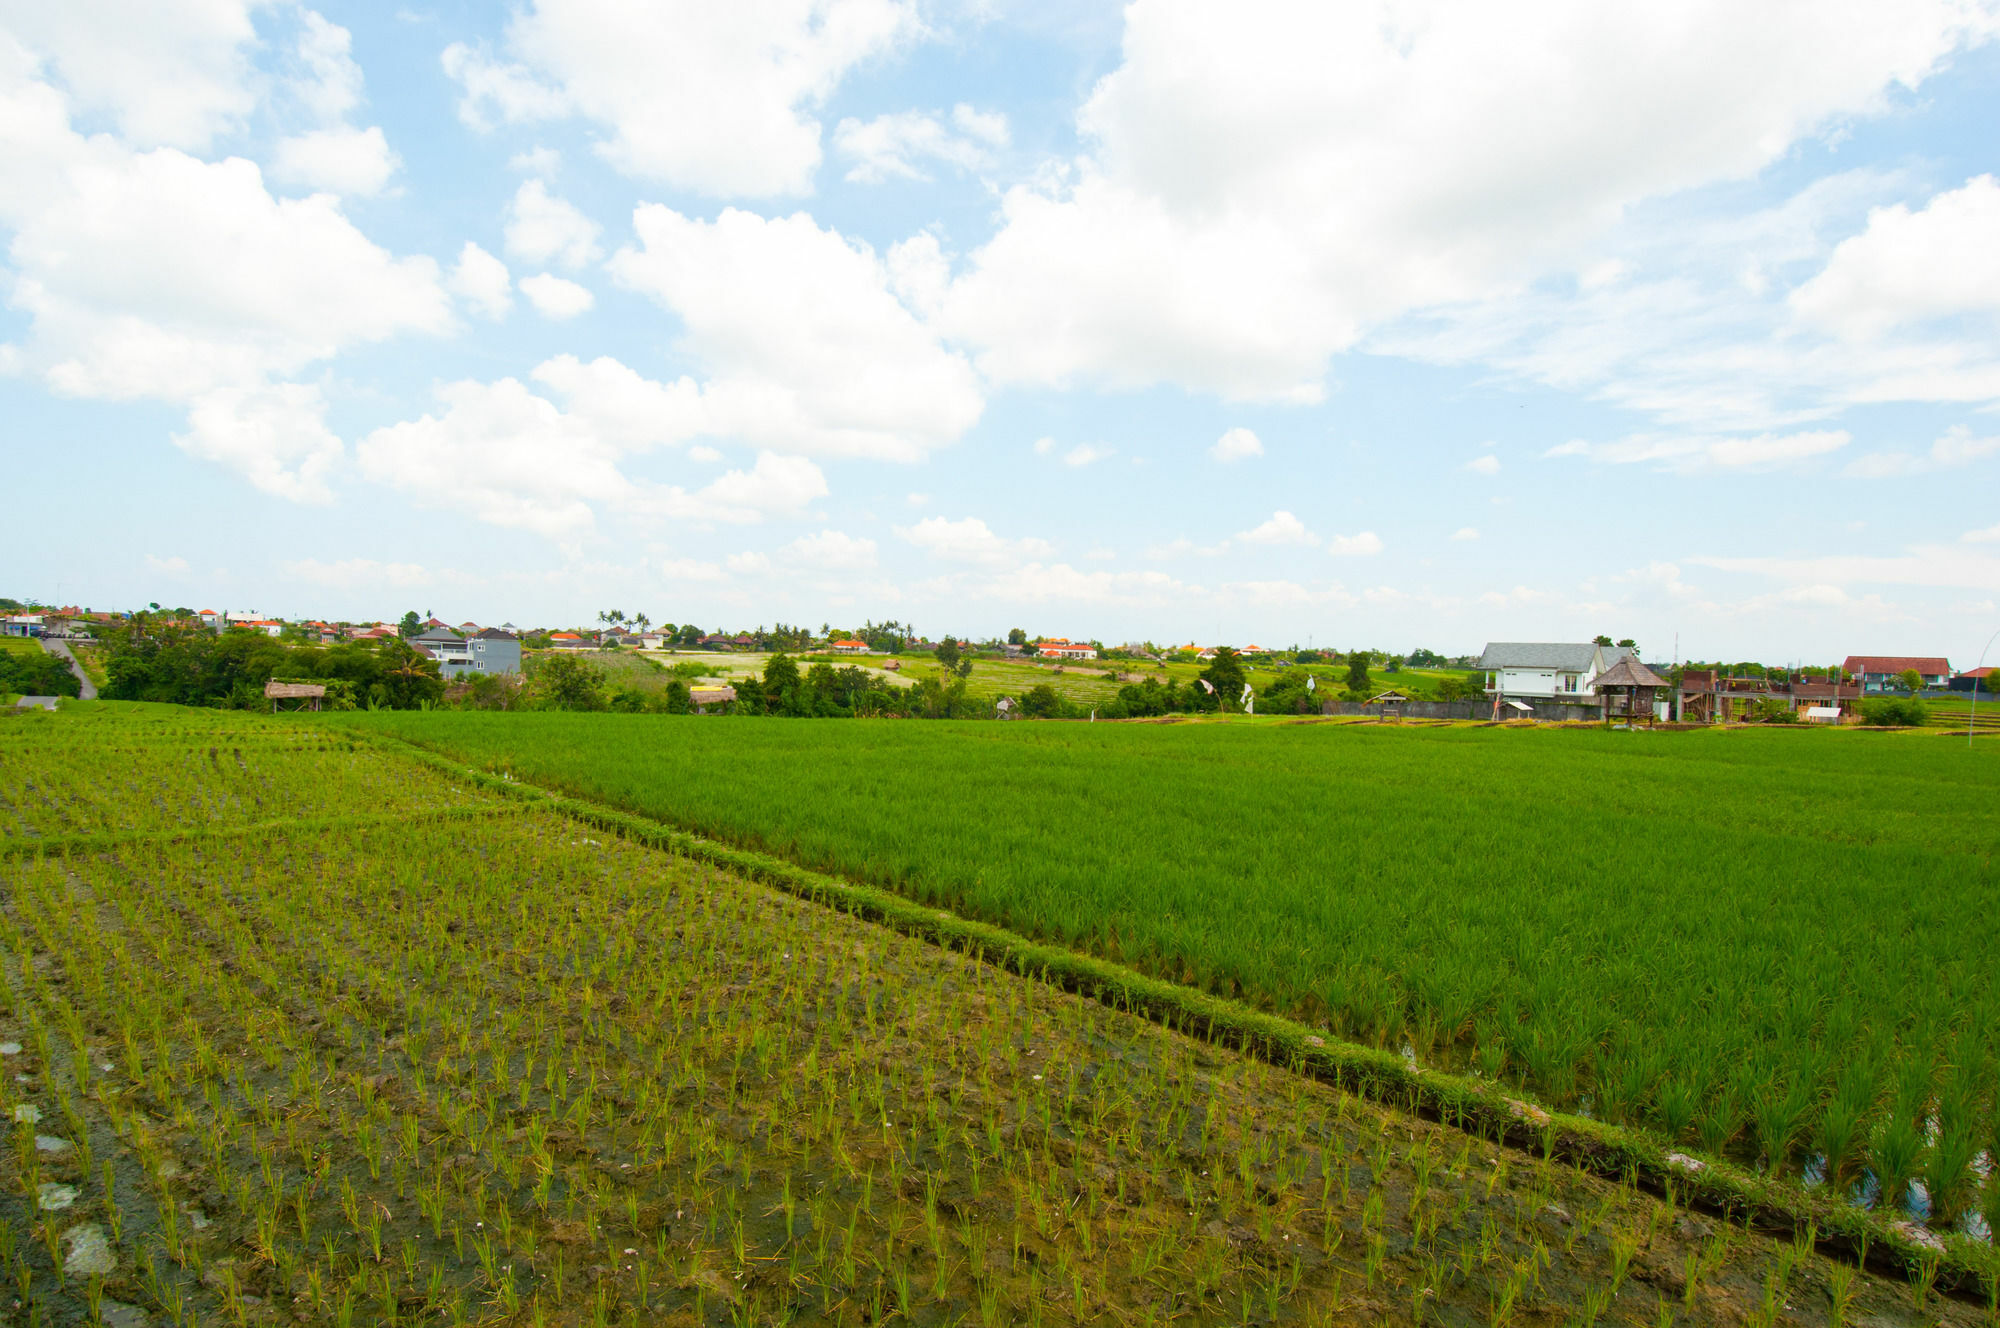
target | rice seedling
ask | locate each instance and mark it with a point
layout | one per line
(424, 1067)
(1767, 937)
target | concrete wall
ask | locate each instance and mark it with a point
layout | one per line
(1549, 710)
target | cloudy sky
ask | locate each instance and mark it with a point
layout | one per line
(1378, 323)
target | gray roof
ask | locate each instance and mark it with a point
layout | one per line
(495, 634)
(437, 634)
(1562, 656)
(1629, 672)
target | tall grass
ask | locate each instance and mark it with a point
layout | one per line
(1748, 941)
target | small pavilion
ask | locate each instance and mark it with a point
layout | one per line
(299, 695)
(1628, 689)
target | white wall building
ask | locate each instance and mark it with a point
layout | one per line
(1546, 670)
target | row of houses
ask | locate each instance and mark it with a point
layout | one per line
(1521, 674)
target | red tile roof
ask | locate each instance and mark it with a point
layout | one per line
(1924, 664)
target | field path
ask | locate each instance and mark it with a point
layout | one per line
(61, 650)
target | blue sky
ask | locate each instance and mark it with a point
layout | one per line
(1387, 324)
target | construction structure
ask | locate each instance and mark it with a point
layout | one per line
(1710, 696)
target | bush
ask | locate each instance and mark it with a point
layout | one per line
(1773, 711)
(1896, 712)
(37, 674)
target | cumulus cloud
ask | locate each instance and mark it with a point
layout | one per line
(1282, 528)
(1465, 534)
(713, 98)
(274, 435)
(1990, 535)
(342, 161)
(1366, 544)
(1485, 465)
(803, 347)
(1225, 149)
(512, 458)
(1085, 453)
(156, 275)
(168, 72)
(1909, 266)
(897, 146)
(971, 541)
(1237, 445)
(1690, 454)
(555, 297)
(481, 281)
(542, 228)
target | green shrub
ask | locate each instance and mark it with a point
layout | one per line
(1896, 712)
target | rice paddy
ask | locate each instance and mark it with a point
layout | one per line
(453, 1058)
(1773, 947)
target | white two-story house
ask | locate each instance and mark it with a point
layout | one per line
(1547, 670)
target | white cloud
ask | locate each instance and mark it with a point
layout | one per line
(705, 455)
(971, 541)
(1689, 454)
(1084, 453)
(327, 81)
(1909, 266)
(802, 345)
(1237, 445)
(542, 228)
(895, 146)
(357, 162)
(1465, 534)
(776, 484)
(155, 275)
(274, 435)
(1956, 448)
(175, 566)
(918, 499)
(357, 573)
(714, 98)
(1282, 528)
(833, 551)
(1494, 144)
(515, 459)
(1990, 535)
(617, 404)
(168, 72)
(1044, 446)
(555, 297)
(1485, 465)
(1366, 544)
(481, 281)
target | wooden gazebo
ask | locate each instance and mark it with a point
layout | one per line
(301, 695)
(1628, 689)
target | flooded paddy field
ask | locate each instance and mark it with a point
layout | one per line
(502, 1067)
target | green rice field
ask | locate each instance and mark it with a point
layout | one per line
(1778, 947)
(300, 1030)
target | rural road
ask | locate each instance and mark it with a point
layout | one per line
(62, 650)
